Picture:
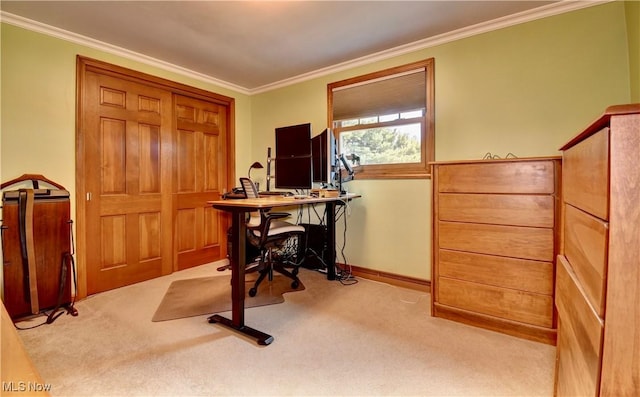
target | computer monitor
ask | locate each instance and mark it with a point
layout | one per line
(293, 157)
(323, 153)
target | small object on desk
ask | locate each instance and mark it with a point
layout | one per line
(325, 192)
(232, 196)
(300, 196)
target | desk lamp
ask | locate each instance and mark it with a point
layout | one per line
(254, 165)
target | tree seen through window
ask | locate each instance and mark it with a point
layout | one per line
(386, 119)
(385, 145)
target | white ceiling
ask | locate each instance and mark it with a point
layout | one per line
(253, 45)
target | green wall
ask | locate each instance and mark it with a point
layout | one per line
(524, 89)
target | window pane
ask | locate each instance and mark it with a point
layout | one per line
(385, 145)
(411, 115)
(368, 120)
(389, 117)
(386, 119)
(349, 123)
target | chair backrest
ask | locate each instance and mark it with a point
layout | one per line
(250, 191)
(249, 188)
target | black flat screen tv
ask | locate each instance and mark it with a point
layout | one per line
(293, 157)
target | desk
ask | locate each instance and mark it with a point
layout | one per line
(238, 210)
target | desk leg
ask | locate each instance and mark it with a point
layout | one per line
(238, 264)
(331, 239)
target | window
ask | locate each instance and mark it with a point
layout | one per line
(386, 119)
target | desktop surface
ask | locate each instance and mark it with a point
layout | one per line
(271, 201)
(240, 195)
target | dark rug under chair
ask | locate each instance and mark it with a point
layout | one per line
(209, 295)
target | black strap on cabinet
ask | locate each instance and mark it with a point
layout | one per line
(67, 262)
(27, 251)
(22, 209)
(22, 218)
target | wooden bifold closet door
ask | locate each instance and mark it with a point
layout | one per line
(200, 142)
(128, 199)
(148, 160)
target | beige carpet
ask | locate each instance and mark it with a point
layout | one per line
(209, 295)
(332, 339)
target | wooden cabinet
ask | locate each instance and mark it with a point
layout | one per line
(495, 229)
(598, 278)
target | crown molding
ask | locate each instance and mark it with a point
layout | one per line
(549, 10)
(499, 23)
(62, 34)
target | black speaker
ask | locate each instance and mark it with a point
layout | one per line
(315, 254)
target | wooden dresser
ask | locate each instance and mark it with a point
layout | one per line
(598, 275)
(495, 237)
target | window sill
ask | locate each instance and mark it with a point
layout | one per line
(365, 175)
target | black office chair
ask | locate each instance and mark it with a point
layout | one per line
(269, 234)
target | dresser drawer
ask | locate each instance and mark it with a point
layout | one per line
(501, 209)
(579, 337)
(511, 241)
(519, 274)
(524, 177)
(585, 247)
(505, 303)
(585, 173)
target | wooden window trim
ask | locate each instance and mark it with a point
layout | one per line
(419, 170)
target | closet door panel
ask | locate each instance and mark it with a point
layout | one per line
(201, 141)
(128, 201)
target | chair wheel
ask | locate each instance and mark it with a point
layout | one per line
(295, 284)
(252, 292)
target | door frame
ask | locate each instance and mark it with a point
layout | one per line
(85, 64)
